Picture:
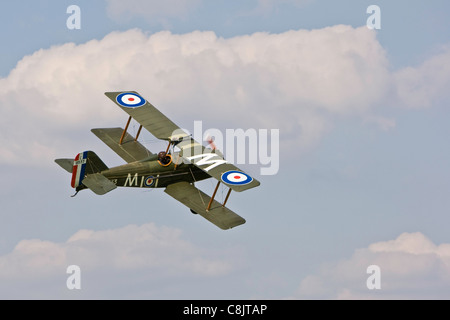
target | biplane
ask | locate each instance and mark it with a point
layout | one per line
(175, 170)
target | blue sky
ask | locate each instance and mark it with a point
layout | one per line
(363, 126)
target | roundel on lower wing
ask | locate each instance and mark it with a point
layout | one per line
(235, 177)
(130, 100)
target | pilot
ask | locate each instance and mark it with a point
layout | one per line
(163, 158)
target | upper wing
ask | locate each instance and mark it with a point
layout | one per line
(145, 113)
(191, 151)
(216, 166)
(196, 200)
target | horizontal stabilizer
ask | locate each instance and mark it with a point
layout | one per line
(98, 183)
(66, 164)
(129, 150)
(197, 201)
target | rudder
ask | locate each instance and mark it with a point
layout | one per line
(85, 163)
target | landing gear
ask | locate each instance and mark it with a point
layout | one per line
(193, 211)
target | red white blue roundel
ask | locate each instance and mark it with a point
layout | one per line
(149, 181)
(130, 100)
(235, 177)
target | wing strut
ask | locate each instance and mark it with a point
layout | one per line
(226, 198)
(138, 133)
(168, 147)
(212, 198)
(214, 195)
(125, 130)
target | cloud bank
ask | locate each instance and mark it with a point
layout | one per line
(411, 267)
(298, 81)
(147, 254)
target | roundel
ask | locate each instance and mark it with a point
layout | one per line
(130, 100)
(236, 177)
(149, 181)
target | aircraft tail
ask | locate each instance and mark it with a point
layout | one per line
(86, 171)
(85, 163)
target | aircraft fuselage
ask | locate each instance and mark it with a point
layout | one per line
(151, 173)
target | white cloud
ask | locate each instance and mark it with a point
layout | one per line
(412, 267)
(271, 80)
(296, 80)
(422, 86)
(154, 253)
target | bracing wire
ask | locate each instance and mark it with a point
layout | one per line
(199, 194)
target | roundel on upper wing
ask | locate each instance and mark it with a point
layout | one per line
(130, 100)
(235, 177)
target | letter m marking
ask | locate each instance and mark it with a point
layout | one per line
(130, 181)
(207, 159)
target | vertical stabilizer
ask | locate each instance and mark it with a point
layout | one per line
(85, 163)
